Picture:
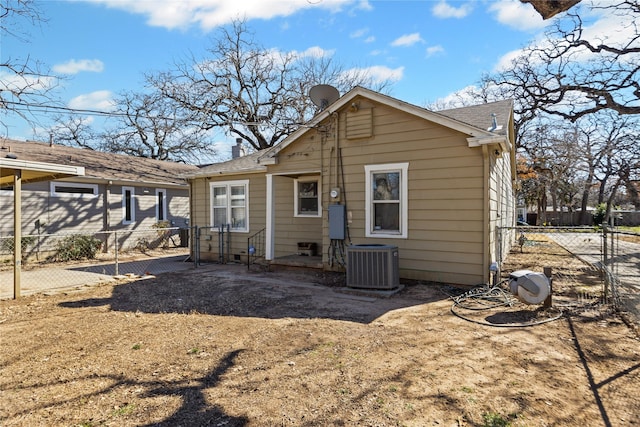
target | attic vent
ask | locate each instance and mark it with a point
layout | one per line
(360, 123)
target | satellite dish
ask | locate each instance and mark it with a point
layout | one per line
(323, 95)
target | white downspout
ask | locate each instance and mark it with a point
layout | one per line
(269, 221)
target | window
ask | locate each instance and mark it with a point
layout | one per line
(307, 197)
(161, 205)
(230, 204)
(72, 189)
(386, 200)
(128, 205)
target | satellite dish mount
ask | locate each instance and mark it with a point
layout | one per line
(323, 95)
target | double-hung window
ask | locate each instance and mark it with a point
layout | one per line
(230, 204)
(386, 200)
(307, 197)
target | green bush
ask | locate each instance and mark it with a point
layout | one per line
(77, 247)
(599, 213)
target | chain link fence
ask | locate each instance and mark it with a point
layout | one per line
(591, 267)
(63, 260)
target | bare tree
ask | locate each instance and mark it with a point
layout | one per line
(151, 125)
(72, 130)
(572, 75)
(25, 84)
(253, 93)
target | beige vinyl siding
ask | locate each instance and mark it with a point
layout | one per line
(288, 229)
(209, 237)
(503, 207)
(446, 195)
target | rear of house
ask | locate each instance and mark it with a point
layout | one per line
(373, 170)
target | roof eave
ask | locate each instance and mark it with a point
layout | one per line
(499, 140)
(37, 171)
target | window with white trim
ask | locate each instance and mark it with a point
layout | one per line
(386, 200)
(161, 204)
(72, 189)
(230, 204)
(307, 197)
(128, 205)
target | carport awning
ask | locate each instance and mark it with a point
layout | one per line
(15, 172)
(34, 171)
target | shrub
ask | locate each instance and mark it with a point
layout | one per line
(77, 247)
(599, 213)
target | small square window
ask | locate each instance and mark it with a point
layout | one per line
(307, 198)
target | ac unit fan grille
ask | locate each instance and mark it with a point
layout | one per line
(372, 267)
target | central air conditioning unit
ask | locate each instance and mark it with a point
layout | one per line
(372, 267)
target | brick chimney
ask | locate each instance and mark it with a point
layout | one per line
(237, 150)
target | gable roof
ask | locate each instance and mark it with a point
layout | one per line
(475, 121)
(100, 165)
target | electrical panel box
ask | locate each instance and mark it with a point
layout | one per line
(337, 227)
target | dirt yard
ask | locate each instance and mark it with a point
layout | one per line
(220, 346)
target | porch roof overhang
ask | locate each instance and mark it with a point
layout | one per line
(34, 171)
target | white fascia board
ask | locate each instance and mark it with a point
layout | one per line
(45, 168)
(500, 140)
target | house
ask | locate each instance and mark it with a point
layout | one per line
(372, 170)
(116, 192)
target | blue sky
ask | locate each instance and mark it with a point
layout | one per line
(429, 48)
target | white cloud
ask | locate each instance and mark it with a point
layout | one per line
(12, 82)
(209, 14)
(378, 73)
(505, 60)
(517, 15)
(100, 100)
(459, 98)
(444, 10)
(407, 40)
(359, 33)
(364, 5)
(314, 52)
(433, 50)
(75, 66)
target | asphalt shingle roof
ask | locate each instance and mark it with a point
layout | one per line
(248, 163)
(480, 115)
(100, 165)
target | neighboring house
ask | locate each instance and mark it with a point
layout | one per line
(116, 193)
(370, 169)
